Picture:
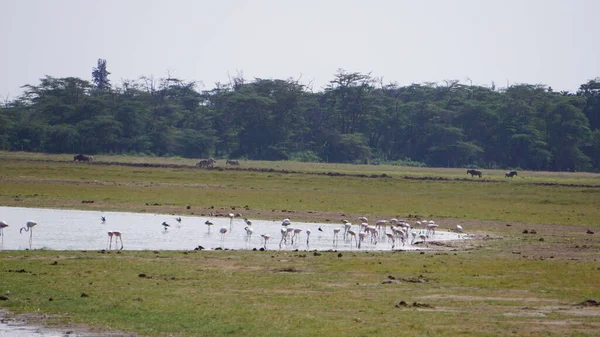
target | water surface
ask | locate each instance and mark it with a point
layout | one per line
(59, 229)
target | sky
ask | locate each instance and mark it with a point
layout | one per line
(550, 42)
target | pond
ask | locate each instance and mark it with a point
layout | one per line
(59, 229)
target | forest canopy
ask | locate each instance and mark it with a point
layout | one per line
(356, 118)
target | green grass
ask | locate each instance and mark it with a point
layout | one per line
(518, 285)
(254, 294)
(50, 184)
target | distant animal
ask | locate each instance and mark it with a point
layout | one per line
(178, 219)
(103, 219)
(232, 162)
(474, 173)
(166, 225)
(510, 174)
(210, 162)
(81, 157)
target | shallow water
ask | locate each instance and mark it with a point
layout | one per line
(83, 230)
(17, 329)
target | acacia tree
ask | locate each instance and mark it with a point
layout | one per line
(100, 76)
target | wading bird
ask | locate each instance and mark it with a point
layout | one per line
(2, 226)
(29, 228)
(265, 237)
(178, 219)
(166, 225)
(459, 228)
(223, 230)
(308, 231)
(231, 216)
(209, 224)
(249, 232)
(118, 238)
(103, 219)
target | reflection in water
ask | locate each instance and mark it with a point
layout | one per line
(88, 230)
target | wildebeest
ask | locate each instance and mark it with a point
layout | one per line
(232, 162)
(206, 163)
(474, 173)
(510, 174)
(81, 157)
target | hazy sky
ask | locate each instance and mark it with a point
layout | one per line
(521, 41)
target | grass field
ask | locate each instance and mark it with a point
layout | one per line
(500, 283)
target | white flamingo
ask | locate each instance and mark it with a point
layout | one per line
(2, 226)
(231, 216)
(363, 219)
(286, 222)
(284, 233)
(29, 228)
(336, 232)
(459, 228)
(352, 234)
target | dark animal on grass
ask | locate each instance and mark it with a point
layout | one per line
(510, 174)
(232, 162)
(81, 157)
(206, 163)
(474, 173)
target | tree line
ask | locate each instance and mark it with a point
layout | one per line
(356, 118)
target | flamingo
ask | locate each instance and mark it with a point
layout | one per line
(118, 238)
(209, 224)
(423, 238)
(166, 225)
(391, 238)
(109, 243)
(231, 216)
(249, 232)
(266, 237)
(352, 234)
(297, 232)
(308, 231)
(2, 226)
(363, 219)
(286, 222)
(336, 231)
(431, 226)
(223, 230)
(29, 228)
(459, 228)
(361, 238)
(284, 232)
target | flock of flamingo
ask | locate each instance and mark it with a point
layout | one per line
(394, 232)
